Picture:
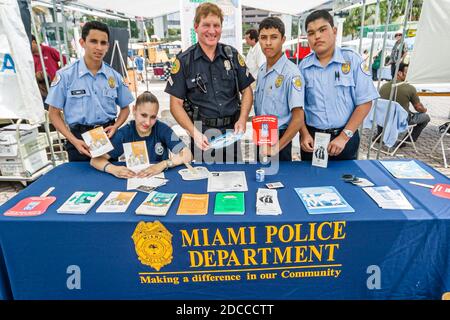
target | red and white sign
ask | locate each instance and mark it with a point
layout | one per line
(265, 130)
(30, 207)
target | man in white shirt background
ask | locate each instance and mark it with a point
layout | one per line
(255, 57)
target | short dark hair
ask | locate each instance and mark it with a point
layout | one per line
(402, 66)
(253, 34)
(146, 97)
(94, 25)
(319, 14)
(33, 38)
(272, 22)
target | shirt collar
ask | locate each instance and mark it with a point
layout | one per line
(278, 66)
(198, 52)
(82, 68)
(337, 57)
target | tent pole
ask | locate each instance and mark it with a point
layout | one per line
(58, 38)
(65, 34)
(38, 42)
(394, 81)
(363, 15)
(388, 21)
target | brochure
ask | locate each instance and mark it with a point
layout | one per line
(156, 204)
(267, 202)
(98, 142)
(320, 200)
(193, 204)
(227, 181)
(80, 202)
(320, 153)
(387, 198)
(225, 140)
(151, 182)
(229, 203)
(117, 202)
(406, 170)
(265, 130)
(136, 156)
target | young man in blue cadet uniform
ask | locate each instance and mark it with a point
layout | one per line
(338, 91)
(88, 91)
(279, 88)
(204, 87)
(158, 137)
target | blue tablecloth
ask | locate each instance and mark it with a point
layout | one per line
(369, 254)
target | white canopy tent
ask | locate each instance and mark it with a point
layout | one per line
(156, 8)
(430, 63)
(19, 94)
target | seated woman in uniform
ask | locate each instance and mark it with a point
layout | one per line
(158, 136)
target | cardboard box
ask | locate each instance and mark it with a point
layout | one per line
(28, 142)
(12, 166)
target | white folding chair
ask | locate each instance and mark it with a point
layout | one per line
(397, 123)
(441, 142)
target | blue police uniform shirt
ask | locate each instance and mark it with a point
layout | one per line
(86, 99)
(161, 139)
(279, 90)
(333, 92)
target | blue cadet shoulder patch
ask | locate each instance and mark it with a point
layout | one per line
(297, 82)
(365, 69)
(56, 80)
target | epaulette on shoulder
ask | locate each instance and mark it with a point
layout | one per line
(185, 52)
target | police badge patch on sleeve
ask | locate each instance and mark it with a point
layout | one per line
(175, 66)
(297, 82)
(365, 69)
(241, 60)
(56, 80)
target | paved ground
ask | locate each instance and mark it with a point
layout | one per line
(438, 108)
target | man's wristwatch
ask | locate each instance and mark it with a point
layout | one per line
(169, 164)
(348, 133)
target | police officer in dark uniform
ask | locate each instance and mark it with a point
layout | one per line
(204, 86)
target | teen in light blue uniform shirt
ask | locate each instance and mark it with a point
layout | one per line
(87, 99)
(279, 87)
(338, 90)
(88, 92)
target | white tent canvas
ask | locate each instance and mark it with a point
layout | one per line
(152, 8)
(19, 94)
(429, 63)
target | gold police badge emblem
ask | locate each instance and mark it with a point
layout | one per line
(346, 67)
(175, 66)
(279, 81)
(297, 81)
(111, 82)
(241, 60)
(153, 244)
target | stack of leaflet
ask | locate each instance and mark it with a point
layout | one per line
(267, 202)
(387, 198)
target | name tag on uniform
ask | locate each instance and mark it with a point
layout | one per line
(77, 92)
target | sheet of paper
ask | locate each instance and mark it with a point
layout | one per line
(267, 202)
(320, 153)
(227, 181)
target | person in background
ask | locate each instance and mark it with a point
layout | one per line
(159, 139)
(255, 57)
(51, 57)
(405, 94)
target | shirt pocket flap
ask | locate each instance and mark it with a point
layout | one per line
(346, 82)
(110, 93)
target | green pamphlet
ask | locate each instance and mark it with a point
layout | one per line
(229, 203)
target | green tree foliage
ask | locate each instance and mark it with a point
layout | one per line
(353, 21)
